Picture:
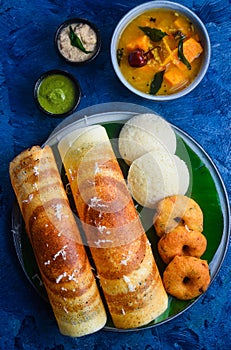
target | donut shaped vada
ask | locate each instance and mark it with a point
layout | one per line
(181, 241)
(177, 210)
(186, 277)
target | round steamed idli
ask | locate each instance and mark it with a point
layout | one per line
(143, 133)
(183, 174)
(152, 177)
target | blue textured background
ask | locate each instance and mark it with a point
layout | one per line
(27, 30)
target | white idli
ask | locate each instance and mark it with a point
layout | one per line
(143, 133)
(183, 174)
(152, 177)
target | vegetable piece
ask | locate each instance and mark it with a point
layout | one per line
(75, 41)
(174, 76)
(142, 42)
(192, 49)
(153, 33)
(165, 52)
(181, 55)
(175, 60)
(156, 82)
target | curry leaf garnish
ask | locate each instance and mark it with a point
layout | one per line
(119, 55)
(181, 55)
(75, 41)
(156, 82)
(153, 33)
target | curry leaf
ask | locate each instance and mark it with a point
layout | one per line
(181, 55)
(156, 82)
(75, 41)
(153, 33)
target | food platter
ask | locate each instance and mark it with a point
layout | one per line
(206, 187)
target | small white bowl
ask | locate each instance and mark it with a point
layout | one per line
(203, 34)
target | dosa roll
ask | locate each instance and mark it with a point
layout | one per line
(122, 254)
(56, 241)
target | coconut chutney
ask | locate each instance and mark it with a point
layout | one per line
(86, 36)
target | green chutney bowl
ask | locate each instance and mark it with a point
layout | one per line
(57, 93)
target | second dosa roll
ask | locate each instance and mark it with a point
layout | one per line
(121, 251)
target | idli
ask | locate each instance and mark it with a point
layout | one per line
(152, 177)
(143, 133)
(183, 175)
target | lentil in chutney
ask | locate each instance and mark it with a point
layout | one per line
(159, 52)
(57, 94)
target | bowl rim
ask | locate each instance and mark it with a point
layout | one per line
(72, 21)
(136, 11)
(60, 72)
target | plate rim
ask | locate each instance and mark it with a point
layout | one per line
(130, 110)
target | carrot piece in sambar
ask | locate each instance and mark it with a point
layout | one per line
(174, 76)
(192, 49)
(141, 42)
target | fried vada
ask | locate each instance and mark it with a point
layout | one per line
(186, 277)
(177, 210)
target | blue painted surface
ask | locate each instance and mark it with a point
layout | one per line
(27, 30)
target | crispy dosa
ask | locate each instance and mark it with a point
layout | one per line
(56, 241)
(123, 257)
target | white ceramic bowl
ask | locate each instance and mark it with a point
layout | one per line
(203, 34)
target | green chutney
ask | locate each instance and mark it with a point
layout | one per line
(57, 94)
